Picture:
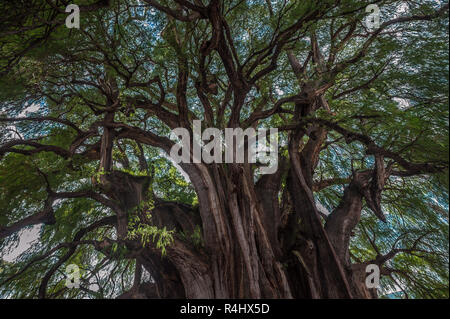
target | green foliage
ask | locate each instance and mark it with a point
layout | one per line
(194, 238)
(150, 234)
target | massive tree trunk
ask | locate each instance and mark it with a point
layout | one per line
(252, 247)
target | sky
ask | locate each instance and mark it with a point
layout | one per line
(27, 237)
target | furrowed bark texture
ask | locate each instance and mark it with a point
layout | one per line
(252, 247)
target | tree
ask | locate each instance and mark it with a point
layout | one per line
(362, 179)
